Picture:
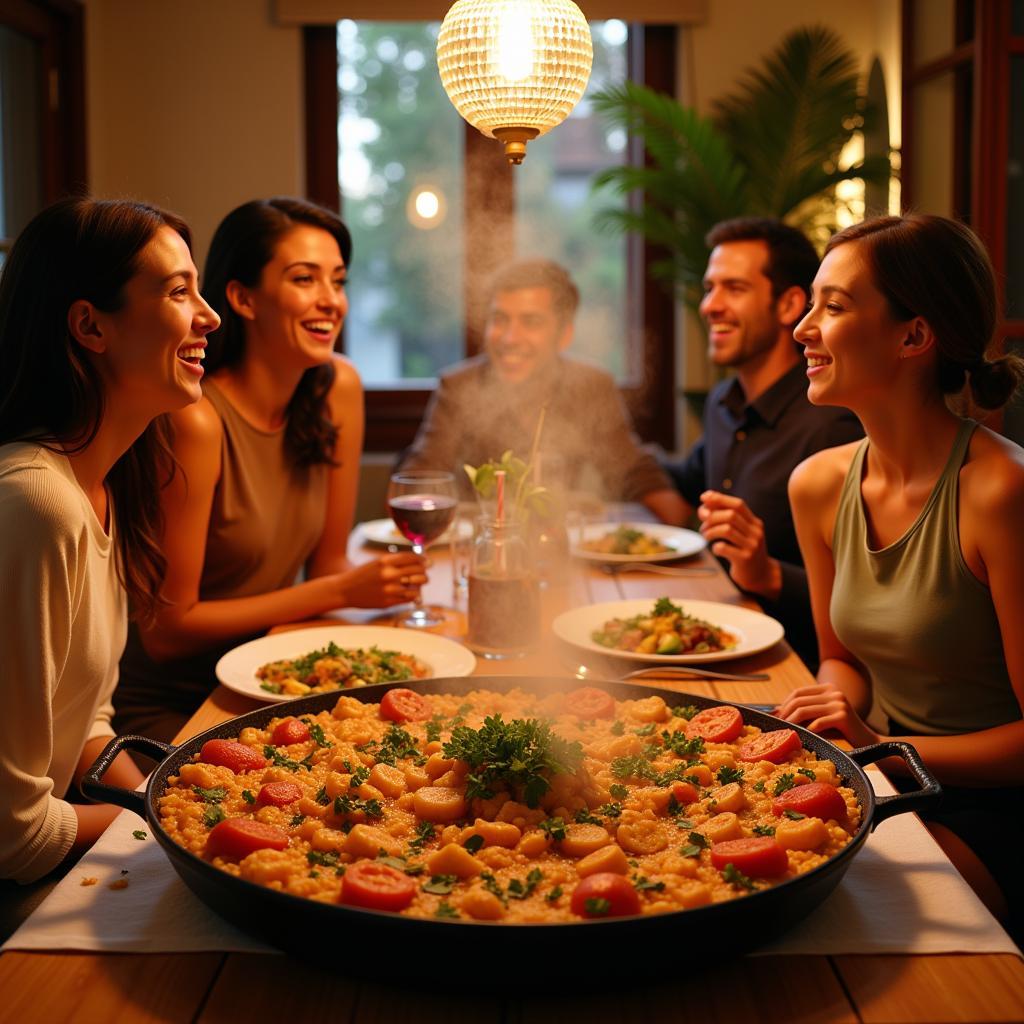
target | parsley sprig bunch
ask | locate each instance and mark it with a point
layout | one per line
(521, 754)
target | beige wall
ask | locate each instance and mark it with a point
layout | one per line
(195, 105)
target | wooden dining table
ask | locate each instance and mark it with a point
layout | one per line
(213, 987)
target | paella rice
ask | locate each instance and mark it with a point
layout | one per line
(513, 807)
(334, 668)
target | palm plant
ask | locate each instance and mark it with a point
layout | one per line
(770, 149)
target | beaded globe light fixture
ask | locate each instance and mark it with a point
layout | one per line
(514, 69)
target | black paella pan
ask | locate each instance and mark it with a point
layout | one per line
(324, 932)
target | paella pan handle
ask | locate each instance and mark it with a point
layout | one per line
(927, 797)
(102, 793)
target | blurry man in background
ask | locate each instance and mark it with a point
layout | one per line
(758, 424)
(491, 403)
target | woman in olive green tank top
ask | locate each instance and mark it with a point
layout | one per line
(270, 460)
(913, 537)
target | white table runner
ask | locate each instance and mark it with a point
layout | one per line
(899, 895)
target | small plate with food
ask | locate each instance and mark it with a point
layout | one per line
(302, 662)
(668, 631)
(636, 542)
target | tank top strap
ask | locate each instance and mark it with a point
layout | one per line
(948, 486)
(849, 528)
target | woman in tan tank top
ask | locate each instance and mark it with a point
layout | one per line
(270, 459)
(912, 538)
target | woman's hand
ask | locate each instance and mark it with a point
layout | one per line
(388, 580)
(823, 707)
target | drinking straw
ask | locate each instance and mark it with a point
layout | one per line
(499, 477)
(500, 564)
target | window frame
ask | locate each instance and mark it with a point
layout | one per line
(980, 55)
(58, 25)
(393, 414)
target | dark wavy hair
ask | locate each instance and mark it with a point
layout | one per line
(242, 246)
(938, 269)
(50, 391)
(792, 261)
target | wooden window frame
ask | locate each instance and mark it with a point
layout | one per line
(979, 156)
(394, 414)
(58, 25)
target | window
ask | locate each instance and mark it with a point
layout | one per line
(42, 119)
(434, 208)
(963, 130)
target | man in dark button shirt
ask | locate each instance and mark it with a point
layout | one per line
(758, 425)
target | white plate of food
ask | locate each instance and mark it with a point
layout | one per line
(623, 629)
(303, 661)
(636, 542)
(384, 533)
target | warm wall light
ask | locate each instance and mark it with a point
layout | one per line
(426, 207)
(514, 69)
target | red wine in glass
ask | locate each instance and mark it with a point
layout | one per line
(422, 518)
(422, 504)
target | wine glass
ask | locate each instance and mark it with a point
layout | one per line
(422, 503)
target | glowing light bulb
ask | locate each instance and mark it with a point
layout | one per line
(515, 48)
(514, 69)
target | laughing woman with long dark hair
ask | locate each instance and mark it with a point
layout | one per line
(101, 327)
(913, 538)
(270, 461)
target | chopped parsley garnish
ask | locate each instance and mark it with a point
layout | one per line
(344, 804)
(492, 886)
(553, 828)
(645, 730)
(440, 885)
(445, 909)
(618, 791)
(398, 745)
(809, 772)
(399, 863)
(764, 830)
(213, 815)
(317, 732)
(585, 817)
(554, 894)
(759, 786)
(321, 796)
(520, 753)
(786, 781)
(680, 745)
(297, 820)
(684, 823)
(697, 843)
(685, 711)
(640, 884)
(735, 877)
(211, 796)
(793, 815)
(474, 843)
(424, 833)
(325, 858)
(611, 810)
(518, 891)
(359, 776)
(617, 728)
(248, 797)
(727, 775)
(638, 767)
(138, 834)
(273, 754)
(433, 728)
(664, 606)
(597, 906)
